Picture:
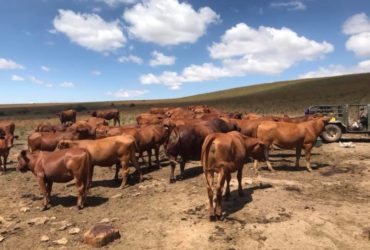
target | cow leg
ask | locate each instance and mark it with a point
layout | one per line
(119, 122)
(298, 151)
(156, 151)
(239, 176)
(1, 165)
(172, 174)
(220, 186)
(42, 185)
(255, 167)
(149, 152)
(117, 170)
(91, 175)
(308, 148)
(267, 160)
(49, 185)
(209, 180)
(227, 192)
(81, 192)
(125, 171)
(182, 169)
(137, 166)
(5, 160)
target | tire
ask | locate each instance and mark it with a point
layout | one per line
(331, 133)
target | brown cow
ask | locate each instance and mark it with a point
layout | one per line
(291, 135)
(67, 116)
(149, 119)
(4, 149)
(108, 114)
(225, 154)
(158, 111)
(118, 150)
(59, 166)
(48, 127)
(180, 113)
(107, 131)
(46, 141)
(185, 142)
(200, 109)
(9, 128)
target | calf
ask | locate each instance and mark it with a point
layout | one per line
(59, 166)
(118, 150)
(224, 154)
(291, 135)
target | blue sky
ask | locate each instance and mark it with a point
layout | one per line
(98, 50)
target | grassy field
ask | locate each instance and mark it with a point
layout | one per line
(290, 97)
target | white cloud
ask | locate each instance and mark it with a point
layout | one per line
(44, 68)
(161, 59)
(17, 78)
(358, 27)
(244, 50)
(114, 3)
(356, 24)
(9, 64)
(96, 72)
(36, 80)
(49, 85)
(168, 22)
(125, 93)
(130, 58)
(334, 70)
(67, 85)
(290, 5)
(90, 31)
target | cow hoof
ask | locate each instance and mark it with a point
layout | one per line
(220, 217)
(212, 218)
(124, 186)
(172, 180)
(180, 178)
(44, 208)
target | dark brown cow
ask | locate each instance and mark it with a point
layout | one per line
(291, 135)
(4, 150)
(67, 116)
(224, 154)
(115, 150)
(149, 119)
(59, 166)
(108, 114)
(47, 141)
(185, 142)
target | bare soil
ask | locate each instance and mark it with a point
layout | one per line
(288, 209)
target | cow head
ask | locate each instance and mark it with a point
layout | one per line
(23, 162)
(93, 114)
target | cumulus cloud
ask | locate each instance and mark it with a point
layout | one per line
(17, 78)
(9, 64)
(168, 22)
(114, 3)
(90, 31)
(161, 59)
(130, 58)
(244, 50)
(335, 70)
(289, 5)
(67, 85)
(358, 27)
(46, 69)
(127, 93)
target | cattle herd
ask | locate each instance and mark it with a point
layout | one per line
(222, 141)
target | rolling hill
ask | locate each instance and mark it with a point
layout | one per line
(289, 97)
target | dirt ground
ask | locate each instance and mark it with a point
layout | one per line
(288, 209)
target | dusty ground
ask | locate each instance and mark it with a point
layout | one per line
(289, 209)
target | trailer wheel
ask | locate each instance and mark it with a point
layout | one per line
(331, 133)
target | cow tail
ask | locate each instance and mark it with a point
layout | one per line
(205, 153)
(88, 165)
